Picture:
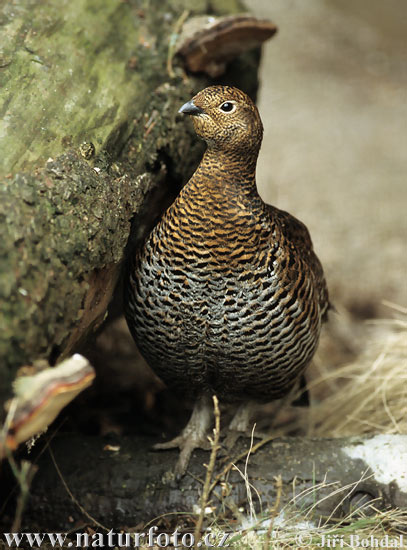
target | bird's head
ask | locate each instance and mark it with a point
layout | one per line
(226, 118)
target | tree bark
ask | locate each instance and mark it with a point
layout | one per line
(127, 483)
(96, 72)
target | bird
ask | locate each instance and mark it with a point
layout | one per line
(226, 295)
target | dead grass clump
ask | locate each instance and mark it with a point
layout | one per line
(368, 395)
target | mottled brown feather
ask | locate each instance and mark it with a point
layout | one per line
(226, 295)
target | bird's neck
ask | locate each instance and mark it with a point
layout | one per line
(222, 174)
(220, 196)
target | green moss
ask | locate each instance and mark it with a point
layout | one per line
(67, 70)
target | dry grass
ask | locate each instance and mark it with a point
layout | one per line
(368, 395)
(291, 532)
(294, 528)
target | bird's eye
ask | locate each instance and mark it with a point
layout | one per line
(227, 107)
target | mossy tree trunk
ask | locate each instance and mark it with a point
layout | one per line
(89, 71)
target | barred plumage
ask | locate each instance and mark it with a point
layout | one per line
(226, 295)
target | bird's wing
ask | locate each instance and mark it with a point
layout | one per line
(296, 233)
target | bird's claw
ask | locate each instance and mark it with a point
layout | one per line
(192, 437)
(186, 445)
(175, 443)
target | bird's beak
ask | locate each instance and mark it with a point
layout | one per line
(190, 108)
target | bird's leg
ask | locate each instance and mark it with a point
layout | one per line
(240, 423)
(193, 436)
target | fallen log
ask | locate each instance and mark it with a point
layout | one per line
(123, 482)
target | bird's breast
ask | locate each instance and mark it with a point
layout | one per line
(219, 233)
(218, 294)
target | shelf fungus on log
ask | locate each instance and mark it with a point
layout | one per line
(39, 396)
(208, 43)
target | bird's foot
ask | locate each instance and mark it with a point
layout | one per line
(231, 439)
(241, 426)
(186, 444)
(193, 436)
(233, 436)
